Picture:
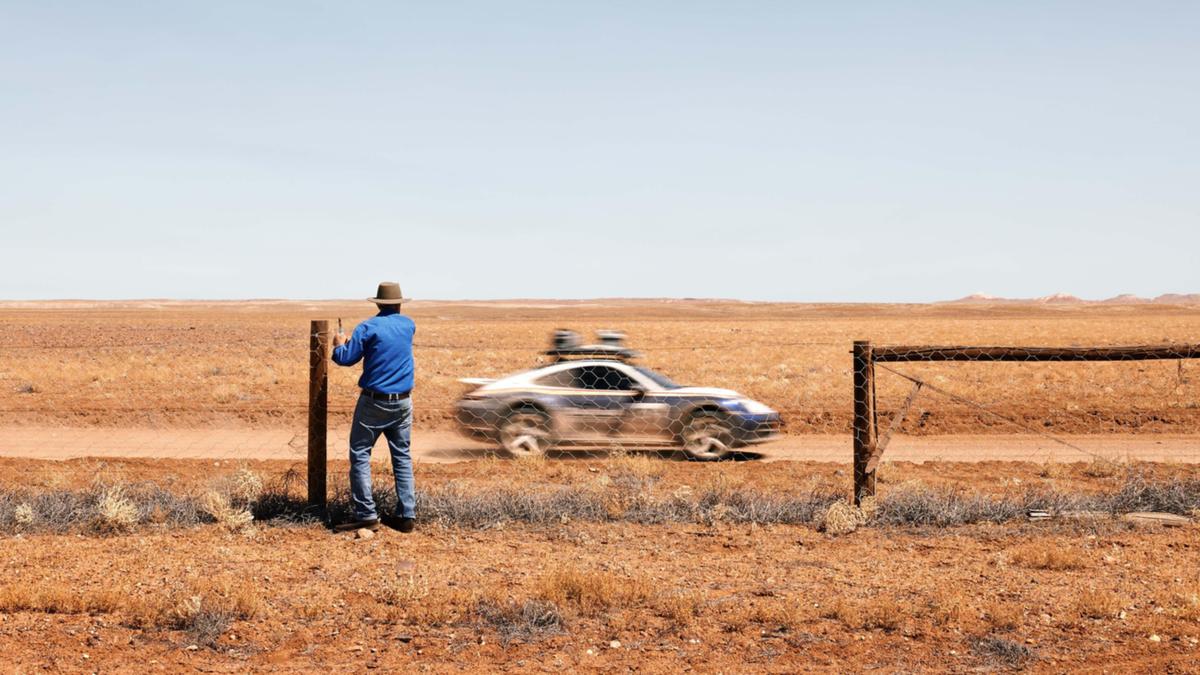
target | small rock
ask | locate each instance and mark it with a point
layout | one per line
(1155, 638)
(591, 652)
(615, 644)
(364, 533)
(1122, 615)
(404, 637)
(192, 648)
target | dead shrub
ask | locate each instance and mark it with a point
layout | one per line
(1047, 555)
(1003, 652)
(528, 620)
(202, 619)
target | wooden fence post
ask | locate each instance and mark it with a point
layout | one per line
(318, 407)
(864, 420)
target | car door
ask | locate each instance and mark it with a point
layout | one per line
(647, 416)
(601, 397)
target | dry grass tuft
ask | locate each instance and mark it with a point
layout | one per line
(1100, 467)
(243, 487)
(204, 612)
(591, 592)
(775, 614)
(225, 514)
(1002, 615)
(1048, 555)
(1093, 603)
(680, 608)
(23, 516)
(842, 518)
(951, 607)
(52, 598)
(114, 512)
(883, 612)
(403, 590)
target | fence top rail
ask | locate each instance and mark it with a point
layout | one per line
(961, 353)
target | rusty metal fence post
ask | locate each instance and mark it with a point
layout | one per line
(318, 407)
(864, 420)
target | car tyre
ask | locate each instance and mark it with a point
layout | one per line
(525, 433)
(707, 437)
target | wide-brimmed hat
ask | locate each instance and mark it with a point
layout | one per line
(389, 294)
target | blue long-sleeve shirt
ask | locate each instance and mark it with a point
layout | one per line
(384, 343)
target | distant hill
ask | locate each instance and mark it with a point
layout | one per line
(1067, 299)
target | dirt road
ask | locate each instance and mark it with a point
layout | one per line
(441, 446)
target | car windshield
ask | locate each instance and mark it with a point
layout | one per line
(659, 379)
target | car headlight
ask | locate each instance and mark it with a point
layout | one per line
(751, 406)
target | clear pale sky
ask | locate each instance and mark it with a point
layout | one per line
(761, 150)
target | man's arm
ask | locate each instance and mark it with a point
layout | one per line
(348, 351)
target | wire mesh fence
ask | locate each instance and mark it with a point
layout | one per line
(235, 385)
(1096, 404)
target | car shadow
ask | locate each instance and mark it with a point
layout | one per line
(465, 453)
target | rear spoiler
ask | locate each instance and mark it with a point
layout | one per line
(477, 381)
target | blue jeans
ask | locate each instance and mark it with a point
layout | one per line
(394, 420)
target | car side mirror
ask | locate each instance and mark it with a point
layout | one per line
(639, 392)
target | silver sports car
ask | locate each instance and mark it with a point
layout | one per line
(595, 395)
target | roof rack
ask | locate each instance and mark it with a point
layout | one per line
(567, 344)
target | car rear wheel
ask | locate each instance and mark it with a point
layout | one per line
(707, 438)
(525, 433)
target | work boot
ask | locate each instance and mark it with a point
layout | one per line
(400, 524)
(368, 524)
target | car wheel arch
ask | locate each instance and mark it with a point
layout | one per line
(704, 407)
(527, 405)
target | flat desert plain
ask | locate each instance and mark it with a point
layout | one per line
(151, 553)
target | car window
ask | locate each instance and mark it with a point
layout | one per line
(563, 378)
(601, 378)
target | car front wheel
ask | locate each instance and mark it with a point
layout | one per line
(707, 438)
(525, 434)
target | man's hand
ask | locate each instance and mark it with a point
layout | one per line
(340, 339)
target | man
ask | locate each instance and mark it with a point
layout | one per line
(384, 344)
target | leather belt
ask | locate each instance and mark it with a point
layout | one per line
(391, 398)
